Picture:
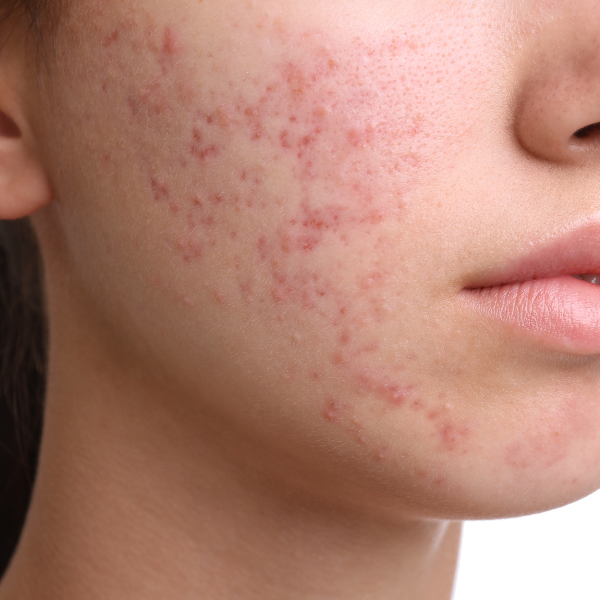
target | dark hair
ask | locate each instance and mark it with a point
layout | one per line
(23, 345)
(22, 376)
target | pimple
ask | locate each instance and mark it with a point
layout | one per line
(335, 410)
(370, 380)
(452, 435)
(110, 38)
(159, 188)
(432, 415)
(341, 358)
(190, 248)
(219, 296)
(170, 45)
(263, 248)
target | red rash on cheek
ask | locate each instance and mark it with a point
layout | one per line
(283, 169)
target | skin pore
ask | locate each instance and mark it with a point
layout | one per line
(257, 218)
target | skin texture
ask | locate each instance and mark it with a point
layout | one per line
(256, 220)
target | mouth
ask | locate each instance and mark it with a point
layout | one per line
(550, 295)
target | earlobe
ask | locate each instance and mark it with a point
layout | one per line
(24, 186)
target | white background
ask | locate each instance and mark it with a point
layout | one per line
(550, 556)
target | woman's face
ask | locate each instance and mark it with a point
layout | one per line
(277, 208)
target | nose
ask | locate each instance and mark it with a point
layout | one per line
(558, 112)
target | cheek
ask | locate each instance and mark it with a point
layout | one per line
(284, 185)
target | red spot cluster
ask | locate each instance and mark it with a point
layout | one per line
(376, 381)
(202, 151)
(450, 434)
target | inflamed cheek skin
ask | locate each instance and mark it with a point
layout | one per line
(298, 190)
(290, 154)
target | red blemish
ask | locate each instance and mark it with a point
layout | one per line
(202, 154)
(432, 415)
(371, 380)
(197, 134)
(134, 104)
(263, 248)
(334, 411)
(370, 347)
(160, 189)
(109, 39)
(219, 296)
(200, 151)
(170, 45)
(284, 138)
(395, 394)
(341, 358)
(371, 280)
(220, 117)
(190, 248)
(451, 435)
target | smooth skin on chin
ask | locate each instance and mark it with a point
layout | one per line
(258, 221)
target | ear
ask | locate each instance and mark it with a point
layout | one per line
(24, 185)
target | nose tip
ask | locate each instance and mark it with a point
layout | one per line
(559, 115)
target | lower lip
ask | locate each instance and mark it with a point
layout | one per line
(562, 312)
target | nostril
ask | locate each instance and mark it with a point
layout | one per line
(590, 132)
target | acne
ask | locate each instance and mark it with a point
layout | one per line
(335, 410)
(548, 441)
(309, 158)
(219, 296)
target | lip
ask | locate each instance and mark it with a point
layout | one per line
(536, 294)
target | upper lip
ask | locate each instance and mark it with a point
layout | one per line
(573, 251)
